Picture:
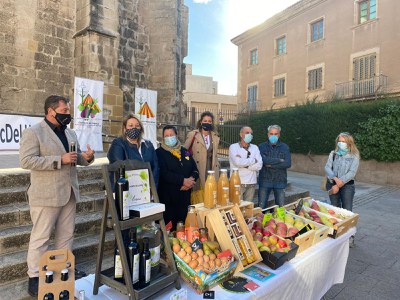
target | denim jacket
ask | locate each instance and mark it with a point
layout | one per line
(121, 149)
(276, 161)
(344, 167)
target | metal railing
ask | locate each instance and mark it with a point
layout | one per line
(362, 88)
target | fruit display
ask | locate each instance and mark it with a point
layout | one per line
(206, 257)
(318, 217)
(327, 209)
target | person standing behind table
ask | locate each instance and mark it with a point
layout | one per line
(204, 142)
(246, 157)
(178, 175)
(54, 189)
(273, 175)
(131, 145)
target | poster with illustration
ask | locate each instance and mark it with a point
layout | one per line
(88, 112)
(139, 186)
(146, 109)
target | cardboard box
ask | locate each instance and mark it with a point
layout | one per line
(57, 260)
(277, 259)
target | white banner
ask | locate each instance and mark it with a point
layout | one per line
(88, 112)
(11, 128)
(146, 108)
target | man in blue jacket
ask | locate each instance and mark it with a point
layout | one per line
(273, 175)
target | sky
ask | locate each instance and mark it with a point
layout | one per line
(212, 25)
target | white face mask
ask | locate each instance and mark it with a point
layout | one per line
(248, 137)
(342, 145)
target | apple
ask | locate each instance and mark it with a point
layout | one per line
(266, 242)
(258, 244)
(266, 233)
(270, 229)
(273, 240)
(282, 243)
(258, 236)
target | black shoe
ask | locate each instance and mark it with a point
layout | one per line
(79, 274)
(33, 286)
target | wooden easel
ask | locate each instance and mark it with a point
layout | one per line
(168, 274)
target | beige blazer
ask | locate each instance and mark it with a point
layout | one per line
(41, 151)
(200, 153)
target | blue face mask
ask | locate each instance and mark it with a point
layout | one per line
(170, 141)
(273, 139)
(342, 145)
(248, 137)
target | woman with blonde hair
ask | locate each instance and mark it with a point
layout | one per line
(131, 145)
(341, 168)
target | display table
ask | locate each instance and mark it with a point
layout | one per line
(307, 276)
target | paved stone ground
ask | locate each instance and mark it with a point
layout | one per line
(373, 268)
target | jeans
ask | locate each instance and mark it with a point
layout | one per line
(247, 193)
(263, 195)
(344, 198)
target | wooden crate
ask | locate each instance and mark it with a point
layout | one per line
(215, 224)
(320, 231)
(201, 211)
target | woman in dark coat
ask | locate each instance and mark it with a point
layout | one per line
(178, 175)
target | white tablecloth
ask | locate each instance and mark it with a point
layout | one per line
(309, 275)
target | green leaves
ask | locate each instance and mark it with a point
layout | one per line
(313, 127)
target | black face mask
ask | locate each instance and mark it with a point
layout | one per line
(63, 119)
(207, 126)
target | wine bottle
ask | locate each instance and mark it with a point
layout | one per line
(48, 296)
(145, 265)
(118, 270)
(133, 255)
(64, 295)
(121, 195)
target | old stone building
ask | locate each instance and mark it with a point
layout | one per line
(44, 44)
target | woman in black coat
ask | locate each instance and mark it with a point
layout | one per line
(178, 175)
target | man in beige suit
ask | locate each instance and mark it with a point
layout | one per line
(54, 190)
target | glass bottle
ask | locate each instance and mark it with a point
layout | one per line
(234, 180)
(118, 270)
(48, 296)
(145, 265)
(133, 255)
(191, 225)
(225, 196)
(180, 230)
(203, 234)
(223, 181)
(64, 275)
(121, 195)
(64, 295)
(153, 233)
(236, 194)
(210, 191)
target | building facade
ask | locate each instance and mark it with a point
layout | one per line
(201, 94)
(319, 50)
(125, 43)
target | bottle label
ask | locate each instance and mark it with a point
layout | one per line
(118, 267)
(192, 233)
(148, 270)
(135, 268)
(155, 255)
(125, 209)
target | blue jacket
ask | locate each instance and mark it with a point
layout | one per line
(276, 161)
(121, 150)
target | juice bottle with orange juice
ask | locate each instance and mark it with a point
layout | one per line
(191, 225)
(210, 191)
(235, 179)
(223, 181)
(235, 198)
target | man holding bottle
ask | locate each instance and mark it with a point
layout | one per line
(54, 190)
(273, 175)
(246, 157)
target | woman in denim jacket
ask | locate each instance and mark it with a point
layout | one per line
(341, 168)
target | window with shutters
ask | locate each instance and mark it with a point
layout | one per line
(364, 67)
(315, 79)
(279, 87)
(280, 45)
(317, 30)
(254, 57)
(252, 97)
(366, 10)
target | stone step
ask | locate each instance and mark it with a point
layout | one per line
(17, 238)
(19, 214)
(14, 179)
(13, 266)
(18, 194)
(19, 290)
